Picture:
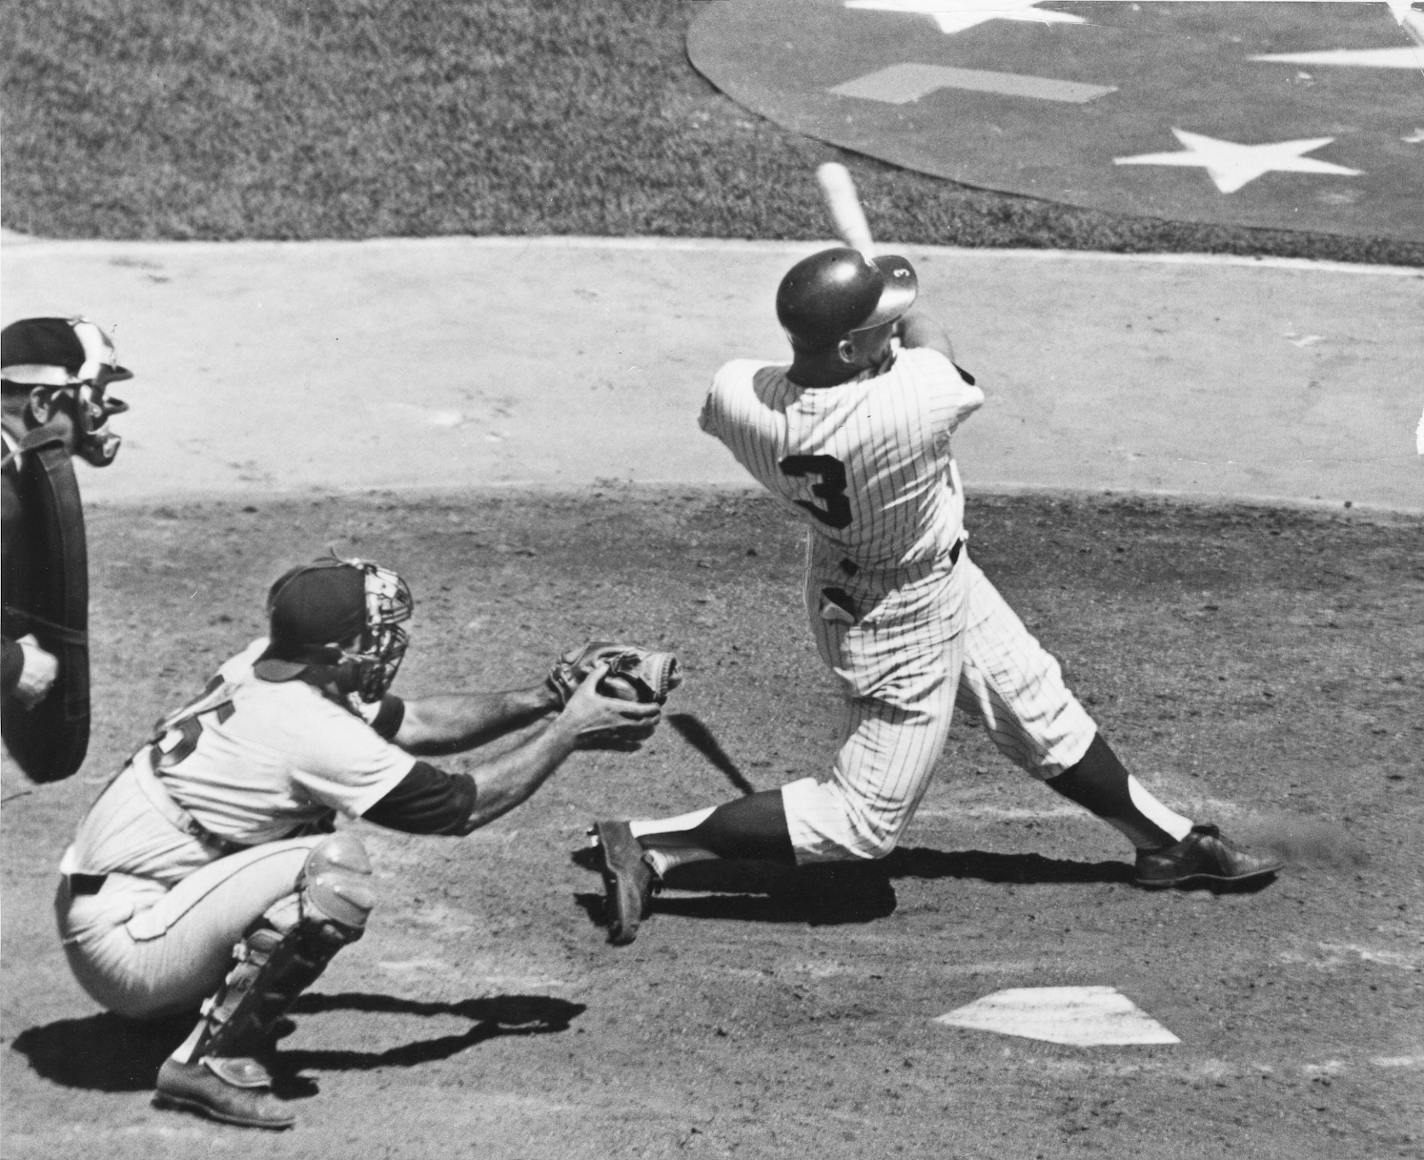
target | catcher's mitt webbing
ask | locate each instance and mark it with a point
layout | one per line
(573, 666)
(633, 673)
(650, 676)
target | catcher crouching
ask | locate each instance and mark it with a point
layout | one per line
(209, 874)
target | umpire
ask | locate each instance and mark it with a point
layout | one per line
(56, 373)
(210, 871)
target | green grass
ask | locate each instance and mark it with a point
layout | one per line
(348, 119)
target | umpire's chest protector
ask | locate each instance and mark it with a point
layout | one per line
(47, 594)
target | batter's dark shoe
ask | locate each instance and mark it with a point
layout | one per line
(628, 880)
(232, 1090)
(1202, 858)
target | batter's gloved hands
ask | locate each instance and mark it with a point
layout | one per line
(633, 673)
(604, 721)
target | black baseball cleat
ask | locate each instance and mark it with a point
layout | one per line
(628, 880)
(232, 1090)
(1202, 858)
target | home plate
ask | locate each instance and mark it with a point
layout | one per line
(1079, 1016)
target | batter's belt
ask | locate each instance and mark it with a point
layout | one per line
(827, 561)
(862, 587)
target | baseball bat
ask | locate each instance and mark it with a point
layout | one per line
(847, 215)
(843, 205)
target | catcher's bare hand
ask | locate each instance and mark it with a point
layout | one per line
(574, 666)
(602, 722)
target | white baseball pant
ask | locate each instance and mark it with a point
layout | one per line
(918, 651)
(144, 951)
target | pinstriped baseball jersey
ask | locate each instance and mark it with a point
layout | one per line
(866, 463)
(909, 632)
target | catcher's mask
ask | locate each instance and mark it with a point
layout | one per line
(76, 361)
(338, 620)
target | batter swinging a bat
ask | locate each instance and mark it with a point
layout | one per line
(854, 438)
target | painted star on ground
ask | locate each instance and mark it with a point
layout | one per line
(1232, 165)
(957, 15)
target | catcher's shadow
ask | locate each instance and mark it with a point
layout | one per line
(490, 1019)
(105, 1053)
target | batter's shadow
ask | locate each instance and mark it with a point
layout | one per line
(105, 1053)
(1014, 869)
(841, 893)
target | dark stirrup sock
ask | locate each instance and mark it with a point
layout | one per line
(753, 827)
(1101, 784)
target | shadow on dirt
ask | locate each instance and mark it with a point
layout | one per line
(490, 1019)
(101, 1052)
(696, 733)
(843, 893)
(105, 1053)
(983, 866)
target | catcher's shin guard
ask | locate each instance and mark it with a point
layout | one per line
(288, 947)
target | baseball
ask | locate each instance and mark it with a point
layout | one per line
(619, 687)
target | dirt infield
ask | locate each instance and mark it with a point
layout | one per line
(1256, 667)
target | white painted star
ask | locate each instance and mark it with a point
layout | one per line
(1410, 20)
(957, 15)
(1232, 165)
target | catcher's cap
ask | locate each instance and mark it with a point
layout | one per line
(312, 607)
(838, 291)
(58, 352)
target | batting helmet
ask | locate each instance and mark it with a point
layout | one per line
(837, 291)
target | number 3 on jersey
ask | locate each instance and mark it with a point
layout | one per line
(830, 487)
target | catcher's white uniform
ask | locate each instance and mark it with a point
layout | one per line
(898, 610)
(153, 893)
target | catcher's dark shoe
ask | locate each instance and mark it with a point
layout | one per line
(232, 1090)
(1202, 858)
(628, 880)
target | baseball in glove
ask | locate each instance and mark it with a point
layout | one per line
(634, 674)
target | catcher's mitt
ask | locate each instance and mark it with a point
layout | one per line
(634, 674)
